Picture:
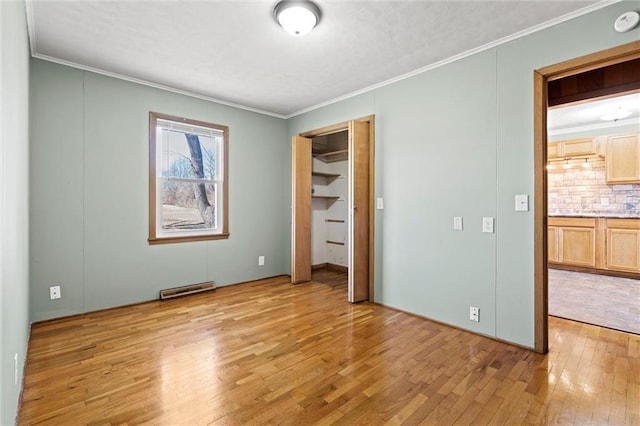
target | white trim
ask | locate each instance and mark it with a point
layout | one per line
(152, 84)
(596, 6)
(595, 126)
(31, 24)
(588, 9)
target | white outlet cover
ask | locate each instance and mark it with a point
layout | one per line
(457, 223)
(379, 203)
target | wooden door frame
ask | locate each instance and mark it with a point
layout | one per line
(541, 77)
(344, 126)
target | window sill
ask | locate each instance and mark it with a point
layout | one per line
(188, 239)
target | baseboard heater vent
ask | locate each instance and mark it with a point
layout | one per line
(172, 293)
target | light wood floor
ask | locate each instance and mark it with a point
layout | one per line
(595, 299)
(269, 352)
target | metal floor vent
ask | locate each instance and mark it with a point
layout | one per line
(171, 293)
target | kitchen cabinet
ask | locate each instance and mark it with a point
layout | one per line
(611, 244)
(622, 159)
(572, 148)
(576, 242)
(552, 243)
(554, 150)
(623, 244)
(578, 147)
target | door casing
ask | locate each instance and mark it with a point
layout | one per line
(339, 127)
(541, 77)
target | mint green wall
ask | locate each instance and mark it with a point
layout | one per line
(14, 203)
(458, 140)
(89, 192)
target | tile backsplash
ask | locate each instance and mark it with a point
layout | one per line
(577, 190)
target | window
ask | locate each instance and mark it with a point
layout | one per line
(187, 180)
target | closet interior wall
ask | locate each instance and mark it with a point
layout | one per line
(330, 185)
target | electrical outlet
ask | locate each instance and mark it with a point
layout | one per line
(260, 260)
(474, 313)
(54, 292)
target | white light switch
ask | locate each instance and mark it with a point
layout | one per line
(457, 223)
(487, 225)
(522, 203)
(379, 203)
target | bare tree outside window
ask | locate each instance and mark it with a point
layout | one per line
(187, 180)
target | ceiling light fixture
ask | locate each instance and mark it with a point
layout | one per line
(297, 17)
(616, 115)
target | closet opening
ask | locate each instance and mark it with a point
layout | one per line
(332, 211)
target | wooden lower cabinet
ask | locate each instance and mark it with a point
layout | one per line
(575, 241)
(596, 243)
(552, 243)
(623, 244)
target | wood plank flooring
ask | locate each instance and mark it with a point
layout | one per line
(595, 299)
(268, 352)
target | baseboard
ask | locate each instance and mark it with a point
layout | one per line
(608, 272)
(330, 267)
(497, 339)
(144, 301)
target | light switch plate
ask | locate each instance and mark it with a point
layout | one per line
(379, 203)
(487, 225)
(522, 203)
(457, 223)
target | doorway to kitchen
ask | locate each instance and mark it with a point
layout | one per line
(587, 178)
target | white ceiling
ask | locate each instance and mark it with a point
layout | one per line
(233, 51)
(585, 116)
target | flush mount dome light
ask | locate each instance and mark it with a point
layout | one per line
(616, 115)
(297, 17)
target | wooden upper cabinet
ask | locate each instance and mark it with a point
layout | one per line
(554, 150)
(572, 148)
(623, 158)
(578, 147)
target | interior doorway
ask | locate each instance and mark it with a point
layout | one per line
(608, 86)
(332, 209)
(593, 200)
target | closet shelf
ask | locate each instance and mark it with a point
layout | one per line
(326, 197)
(326, 175)
(330, 157)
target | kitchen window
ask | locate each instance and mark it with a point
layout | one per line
(188, 180)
